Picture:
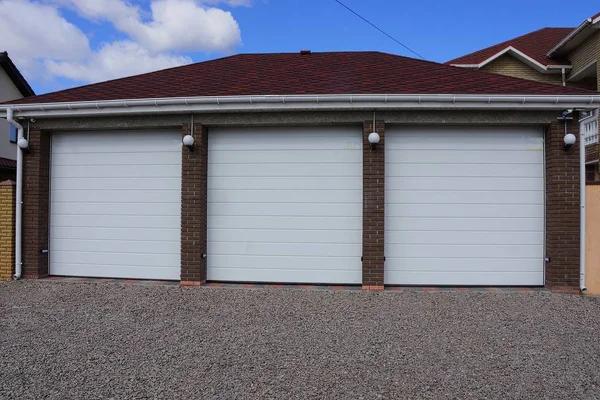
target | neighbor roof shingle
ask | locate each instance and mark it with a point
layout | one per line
(535, 44)
(297, 74)
(6, 163)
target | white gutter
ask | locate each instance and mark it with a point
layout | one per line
(19, 201)
(304, 103)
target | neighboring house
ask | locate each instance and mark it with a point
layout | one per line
(470, 182)
(561, 56)
(12, 86)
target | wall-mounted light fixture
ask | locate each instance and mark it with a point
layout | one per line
(188, 141)
(23, 144)
(569, 141)
(373, 139)
(373, 136)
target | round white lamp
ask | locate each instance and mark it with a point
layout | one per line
(569, 140)
(373, 139)
(23, 144)
(188, 141)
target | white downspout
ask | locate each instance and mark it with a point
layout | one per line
(582, 287)
(564, 78)
(19, 201)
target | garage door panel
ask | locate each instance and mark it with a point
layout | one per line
(117, 209)
(460, 210)
(464, 183)
(484, 265)
(464, 197)
(118, 171)
(283, 196)
(480, 278)
(301, 275)
(113, 159)
(302, 170)
(274, 262)
(149, 260)
(284, 222)
(115, 196)
(286, 209)
(116, 204)
(465, 251)
(286, 236)
(462, 224)
(309, 183)
(117, 184)
(110, 221)
(249, 157)
(285, 249)
(117, 143)
(285, 204)
(464, 206)
(123, 272)
(474, 237)
(118, 246)
(464, 170)
(95, 233)
(310, 138)
(491, 157)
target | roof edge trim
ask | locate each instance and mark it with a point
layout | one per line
(575, 32)
(302, 102)
(522, 56)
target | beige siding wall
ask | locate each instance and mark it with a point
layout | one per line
(8, 91)
(510, 66)
(586, 53)
(7, 230)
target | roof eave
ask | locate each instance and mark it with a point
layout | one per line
(15, 76)
(541, 68)
(303, 103)
(580, 29)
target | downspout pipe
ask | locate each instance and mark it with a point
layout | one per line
(582, 228)
(19, 195)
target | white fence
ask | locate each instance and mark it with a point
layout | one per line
(589, 127)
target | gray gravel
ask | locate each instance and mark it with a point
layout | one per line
(63, 340)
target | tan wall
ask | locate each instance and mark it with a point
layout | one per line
(584, 54)
(7, 230)
(510, 66)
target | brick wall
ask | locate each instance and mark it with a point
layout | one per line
(562, 206)
(193, 208)
(373, 206)
(7, 230)
(36, 202)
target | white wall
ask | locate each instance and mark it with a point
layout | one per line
(8, 91)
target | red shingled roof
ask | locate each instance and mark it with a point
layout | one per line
(535, 45)
(296, 74)
(6, 163)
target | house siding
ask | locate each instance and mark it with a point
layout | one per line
(510, 66)
(586, 53)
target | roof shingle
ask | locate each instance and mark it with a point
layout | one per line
(297, 74)
(535, 44)
(6, 163)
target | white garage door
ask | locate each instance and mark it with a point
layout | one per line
(464, 206)
(285, 205)
(116, 204)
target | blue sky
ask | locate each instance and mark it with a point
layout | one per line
(82, 42)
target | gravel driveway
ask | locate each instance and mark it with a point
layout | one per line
(62, 340)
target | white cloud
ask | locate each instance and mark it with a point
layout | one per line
(174, 25)
(115, 60)
(44, 44)
(31, 32)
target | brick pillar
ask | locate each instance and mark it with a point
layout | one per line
(373, 207)
(36, 203)
(562, 206)
(7, 230)
(193, 208)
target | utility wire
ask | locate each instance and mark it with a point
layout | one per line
(379, 29)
